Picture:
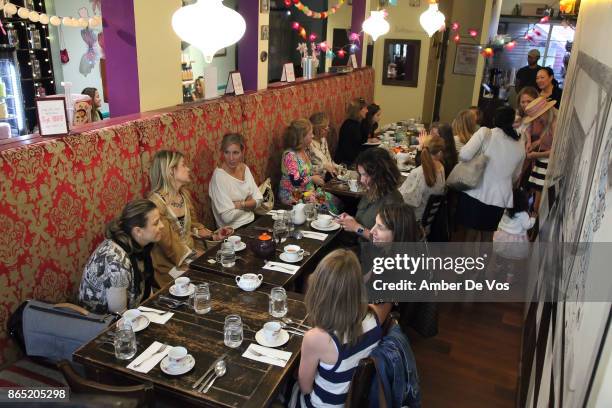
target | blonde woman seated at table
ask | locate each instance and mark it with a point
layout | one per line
(169, 177)
(345, 330)
(119, 272)
(296, 169)
(427, 179)
(318, 150)
(232, 189)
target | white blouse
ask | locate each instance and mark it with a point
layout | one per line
(224, 189)
(416, 192)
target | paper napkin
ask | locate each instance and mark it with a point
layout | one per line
(150, 358)
(270, 356)
(156, 317)
(281, 267)
(314, 235)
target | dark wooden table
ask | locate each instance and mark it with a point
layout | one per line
(247, 383)
(250, 263)
(341, 189)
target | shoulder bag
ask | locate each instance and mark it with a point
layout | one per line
(268, 198)
(467, 175)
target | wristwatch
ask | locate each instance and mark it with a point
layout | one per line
(360, 230)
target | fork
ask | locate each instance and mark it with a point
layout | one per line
(160, 350)
(258, 354)
(149, 310)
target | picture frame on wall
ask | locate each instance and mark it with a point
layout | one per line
(466, 59)
(221, 53)
(265, 32)
(401, 62)
(52, 116)
(264, 6)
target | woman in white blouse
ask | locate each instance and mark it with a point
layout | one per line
(232, 190)
(427, 179)
(318, 150)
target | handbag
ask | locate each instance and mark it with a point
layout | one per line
(267, 203)
(467, 175)
(64, 57)
(55, 331)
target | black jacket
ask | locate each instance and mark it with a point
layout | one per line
(350, 142)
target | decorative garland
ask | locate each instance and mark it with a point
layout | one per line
(322, 46)
(314, 14)
(11, 9)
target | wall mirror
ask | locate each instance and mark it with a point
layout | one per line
(401, 62)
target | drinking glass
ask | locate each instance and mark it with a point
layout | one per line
(278, 302)
(279, 231)
(311, 212)
(226, 256)
(201, 299)
(232, 331)
(125, 340)
(288, 218)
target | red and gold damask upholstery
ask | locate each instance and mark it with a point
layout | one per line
(56, 196)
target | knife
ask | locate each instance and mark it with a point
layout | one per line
(212, 366)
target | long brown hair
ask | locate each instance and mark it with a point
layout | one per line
(526, 90)
(295, 134)
(134, 214)
(383, 171)
(433, 146)
(336, 296)
(400, 219)
(464, 125)
(354, 107)
(319, 121)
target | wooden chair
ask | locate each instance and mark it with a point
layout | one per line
(431, 211)
(142, 394)
(359, 391)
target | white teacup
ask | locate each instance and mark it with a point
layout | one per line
(401, 158)
(293, 252)
(176, 355)
(249, 281)
(132, 315)
(271, 331)
(353, 185)
(235, 240)
(324, 220)
(182, 284)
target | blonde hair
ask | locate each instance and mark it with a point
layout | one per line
(354, 107)
(230, 139)
(433, 146)
(464, 125)
(336, 296)
(295, 134)
(160, 173)
(319, 121)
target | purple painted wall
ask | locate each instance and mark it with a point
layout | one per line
(248, 57)
(121, 60)
(357, 19)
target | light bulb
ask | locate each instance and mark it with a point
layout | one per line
(376, 25)
(432, 19)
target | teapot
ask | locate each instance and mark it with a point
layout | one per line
(298, 214)
(249, 281)
(263, 246)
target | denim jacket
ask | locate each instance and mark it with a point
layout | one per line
(396, 370)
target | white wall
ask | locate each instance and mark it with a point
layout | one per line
(76, 49)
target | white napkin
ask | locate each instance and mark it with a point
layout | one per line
(404, 173)
(281, 267)
(273, 212)
(281, 361)
(175, 272)
(146, 356)
(155, 317)
(314, 235)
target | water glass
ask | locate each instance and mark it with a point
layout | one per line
(201, 299)
(232, 331)
(278, 302)
(279, 231)
(288, 218)
(125, 340)
(311, 212)
(226, 256)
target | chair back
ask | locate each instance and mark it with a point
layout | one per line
(429, 214)
(142, 394)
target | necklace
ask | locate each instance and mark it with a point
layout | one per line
(180, 201)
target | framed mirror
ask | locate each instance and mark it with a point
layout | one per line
(401, 62)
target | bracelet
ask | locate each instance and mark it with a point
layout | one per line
(243, 204)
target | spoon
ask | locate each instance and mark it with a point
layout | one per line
(220, 370)
(289, 321)
(286, 326)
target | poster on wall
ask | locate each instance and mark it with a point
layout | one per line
(466, 58)
(52, 117)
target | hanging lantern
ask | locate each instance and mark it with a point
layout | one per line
(456, 38)
(510, 46)
(295, 25)
(487, 52)
(23, 13)
(55, 21)
(34, 17)
(473, 33)
(323, 46)
(44, 19)
(312, 37)
(432, 20)
(455, 26)
(376, 25)
(209, 26)
(10, 9)
(341, 53)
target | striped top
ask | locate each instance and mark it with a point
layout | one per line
(332, 382)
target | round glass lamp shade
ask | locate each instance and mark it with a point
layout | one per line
(376, 25)
(432, 20)
(209, 26)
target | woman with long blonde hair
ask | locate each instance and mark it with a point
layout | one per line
(318, 150)
(345, 330)
(169, 176)
(464, 126)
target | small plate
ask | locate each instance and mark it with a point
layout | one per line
(240, 247)
(141, 323)
(189, 292)
(171, 369)
(283, 257)
(372, 144)
(283, 337)
(332, 227)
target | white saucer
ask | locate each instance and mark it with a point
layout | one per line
(240, 247)
(141, 323)
(332, 227)
(283, 257)
(283, 337)
(189, 292)
(174, 369)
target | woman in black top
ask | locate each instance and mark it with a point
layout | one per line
(548, 85)
(352, 137)
(370, 123)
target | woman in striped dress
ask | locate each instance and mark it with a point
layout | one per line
(541, 120)
(345, 330)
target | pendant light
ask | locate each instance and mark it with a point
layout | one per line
(432, 20)
(376, 25)
(209, 26)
